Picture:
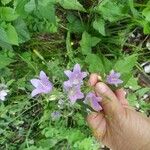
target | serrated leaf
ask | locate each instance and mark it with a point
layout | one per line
(133, 83)
(110, 10)
(12, 34)
(126, 64)
(87, 42)
(30, 6)
(71, 4)
(99, 25)
(8, 14)
(95, 63)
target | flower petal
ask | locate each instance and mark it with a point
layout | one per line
(67, 85)
(43, 75)
(35, 92)
(95, 105)
(68, 73)
(77, 68)
(3, 93)
(35, 82)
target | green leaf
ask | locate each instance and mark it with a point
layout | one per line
(8, 14)
(132, 99)
(47, 11)
(4, 40)
(87, 42)
(12, 34)
(3, 35)
(146, 13)
(95, 63)
(110, 10)
(99, 25)
(71, 4)
(133, 83)
(30, 6)
(133, 10)
(5, 60)
(21, 29)
(4, 2)
(126, 64)
(75, 25)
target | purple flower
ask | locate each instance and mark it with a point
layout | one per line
(55, 115)
(93, 101)
(73, 91)
(42, 85)
(113, 78)
(76, 76)
(3, 94)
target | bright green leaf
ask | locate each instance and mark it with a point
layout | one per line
(95, 63)
(3, 35)
(133, 83)
(12, 34)
(30, 6)
(87, 42)
(110, 10)
(99, 25)
(8, 14)
(146, 13)
(132, 99)
(126, 64)
(71, 4)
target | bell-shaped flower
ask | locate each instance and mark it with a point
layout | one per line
(73, 91)
(113, 78)
(76, 76)
(93, 101)
(42, 85)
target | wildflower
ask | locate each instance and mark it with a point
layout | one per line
(113, 78)
(55, 115)
(3, 94)
(42, 85)
(76, 76)
(73, 91)
(93, 101)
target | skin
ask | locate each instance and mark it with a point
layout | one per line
(118, 126)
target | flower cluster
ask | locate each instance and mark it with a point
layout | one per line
(73, 85)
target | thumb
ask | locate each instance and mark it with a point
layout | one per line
(109, 102)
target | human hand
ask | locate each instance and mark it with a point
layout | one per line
(118, 126)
